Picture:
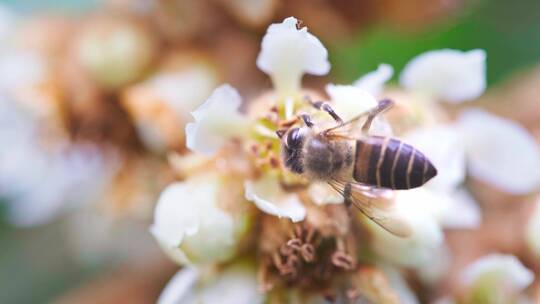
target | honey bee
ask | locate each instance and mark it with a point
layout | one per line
(363, 169)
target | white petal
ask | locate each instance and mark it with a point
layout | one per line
(533, 231)
(373, 82)
(500, 152)
(399, 285)
(236, 285)
(444, 147)
(171, 219)
(75, 174)
(216, 121)
(321, 194)
(179, 287)
(186, 89)
(253, 13)
(350, 101)
(160, 106)
(287, 53)
(503, 268)
(426, 238)
(20, 69)
(74, 177)
(189, 224)
(451, 75)
(269, 197)
(435, 270)
(461, 211)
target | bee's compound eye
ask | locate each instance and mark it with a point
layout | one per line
(294, 138)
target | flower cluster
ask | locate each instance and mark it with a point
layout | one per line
(239, 215)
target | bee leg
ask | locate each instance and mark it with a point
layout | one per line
(307, 120)
(383, 105)
(324, 106)
(347, 195)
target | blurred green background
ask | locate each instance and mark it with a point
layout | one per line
(509, 31)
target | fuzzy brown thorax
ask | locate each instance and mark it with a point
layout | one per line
(307, 152)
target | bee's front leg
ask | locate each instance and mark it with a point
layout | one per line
(307, 120)
(383, 106)
(325, 106)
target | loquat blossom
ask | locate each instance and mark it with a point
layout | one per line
(352, 101)
(487, 143)
(160, 105)
(297, 216)
(216, 121)
(484, 138)
(476, 138)
(288, 52)
(426, 238)
(234, 284)
(279, 203)
(374, 81)
(454, 69)
(495, 278)
(39, 182)
(194, 225)
(114, 51)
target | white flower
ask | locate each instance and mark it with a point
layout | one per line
(399, 285)
(505, 271)
(288, 52)
(236, 284)
(500, 152)
(444, 147)
(20, 69)
(436, 269)
(252, 13)
(350, 101)
(373, 82)
(186, 89)
(189, 224)
(425, 239)
(74, 174)
(533, 230)
(270, 198)
(160, 106)
(114, 51)
(216, 121)
(448, 201)
(460, 211)
(451, 75)
(321, 194)
(180, 287)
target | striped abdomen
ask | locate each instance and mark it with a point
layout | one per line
(390, 163)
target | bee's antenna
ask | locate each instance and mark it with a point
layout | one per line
(280, 133)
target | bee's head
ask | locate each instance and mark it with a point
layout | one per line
(292, 141)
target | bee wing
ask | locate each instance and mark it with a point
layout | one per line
(376, 204)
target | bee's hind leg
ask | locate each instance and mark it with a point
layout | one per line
(324, 106)
(383, 105)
